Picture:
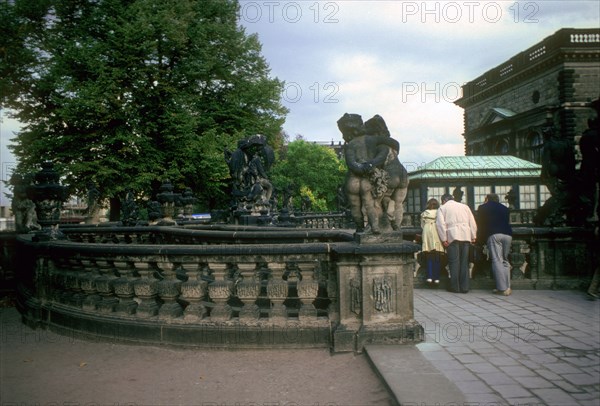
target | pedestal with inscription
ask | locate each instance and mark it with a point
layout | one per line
(376, 294)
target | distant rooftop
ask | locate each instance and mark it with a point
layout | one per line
(566, 42)
(487, 166)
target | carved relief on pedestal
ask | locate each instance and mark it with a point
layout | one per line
(383, 294)
(355, 296)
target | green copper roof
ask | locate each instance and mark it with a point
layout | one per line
(487, 166)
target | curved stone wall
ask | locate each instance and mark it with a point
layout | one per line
(220, 286)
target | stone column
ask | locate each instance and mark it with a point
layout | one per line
(123, 287)
(88, 284)
(168, 290)
(220, 291)
(104, 284)
(146, 289)
(194, 291)
(307, 288)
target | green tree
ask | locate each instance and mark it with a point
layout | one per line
(127, 93)
(313, 171)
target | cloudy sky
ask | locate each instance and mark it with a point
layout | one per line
(404, 60)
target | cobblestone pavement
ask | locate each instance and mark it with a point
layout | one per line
(530, 348)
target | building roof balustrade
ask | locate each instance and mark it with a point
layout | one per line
(563, 42)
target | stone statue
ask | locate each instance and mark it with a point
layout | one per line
(130, 214)
(511, 199)
(558, 172)
(22, 206)
(395, 176)
(93, 205)
(589, 172)
(248, 168)
(375, 177)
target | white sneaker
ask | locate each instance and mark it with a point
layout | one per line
(429, 280)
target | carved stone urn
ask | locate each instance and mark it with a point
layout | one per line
(48, 196)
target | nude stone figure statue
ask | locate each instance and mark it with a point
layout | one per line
(375, 177)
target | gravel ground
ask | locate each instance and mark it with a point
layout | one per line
(40, 367)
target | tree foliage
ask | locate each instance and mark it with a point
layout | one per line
(127, 93)
(313, 171)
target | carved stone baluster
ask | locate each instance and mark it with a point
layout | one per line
(88, 284)
(59, 276)
(73, 282)
(277, 290)
(248, 290)
(168, 290)
(517, 259)
(194, 291)
(104, 285)
(55, 276)
(277, 269)
(308, 289)
(220, 291)
(146, 289)
(123, 286)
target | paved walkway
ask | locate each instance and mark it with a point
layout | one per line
(531, 348)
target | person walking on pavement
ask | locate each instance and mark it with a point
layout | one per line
(457, 229)
(494, 230)
(432, 247)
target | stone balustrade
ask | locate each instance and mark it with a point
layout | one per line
(540, 258)
(219, 287)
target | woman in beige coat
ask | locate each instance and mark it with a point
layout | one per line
(432, 247)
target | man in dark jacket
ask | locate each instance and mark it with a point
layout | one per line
(494, 229)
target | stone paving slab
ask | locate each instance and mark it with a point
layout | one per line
(411, 377)
(533, 347)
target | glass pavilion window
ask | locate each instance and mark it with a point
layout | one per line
(527, 197)
(479, 194)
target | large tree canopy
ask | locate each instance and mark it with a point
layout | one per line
(314, 171)
(126, 93)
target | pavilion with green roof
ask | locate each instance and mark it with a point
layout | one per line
(475, 177)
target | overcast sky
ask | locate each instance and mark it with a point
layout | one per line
(404, 60)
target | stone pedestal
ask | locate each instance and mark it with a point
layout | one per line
(376, 294)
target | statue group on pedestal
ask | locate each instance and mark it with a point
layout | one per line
(376, 182)
(574, 192)
(248, 167)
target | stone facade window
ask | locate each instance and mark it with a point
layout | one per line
(536, 142)
(501, 147)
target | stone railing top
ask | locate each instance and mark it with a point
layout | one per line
(236, 241)
(203, 234)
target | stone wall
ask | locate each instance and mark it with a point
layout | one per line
(220, 287)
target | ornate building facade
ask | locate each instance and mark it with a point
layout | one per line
(551, 84)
